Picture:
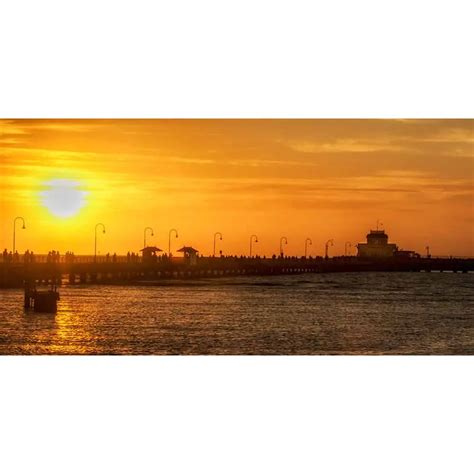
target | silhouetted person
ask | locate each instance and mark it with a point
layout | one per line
(114, 258)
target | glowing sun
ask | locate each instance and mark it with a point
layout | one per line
(63, 197)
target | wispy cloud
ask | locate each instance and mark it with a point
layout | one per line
(344, 145)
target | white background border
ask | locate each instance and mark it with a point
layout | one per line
(236, 59)
(245, 58)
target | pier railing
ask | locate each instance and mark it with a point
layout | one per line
(62, 258)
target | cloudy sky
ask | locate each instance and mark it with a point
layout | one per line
(295, 178)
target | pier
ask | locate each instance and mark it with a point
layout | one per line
(90, 270)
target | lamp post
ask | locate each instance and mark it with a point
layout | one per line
(252, 237)
(95, 240)
(169, 239)
(14, 230)
(428, 254)
(306, 242)
(330, 241)
(214, 248)
(281, 245)
(346, 246)
(144, 235)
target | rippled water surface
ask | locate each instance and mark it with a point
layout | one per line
(363, 313)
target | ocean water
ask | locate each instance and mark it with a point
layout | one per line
(346, 313)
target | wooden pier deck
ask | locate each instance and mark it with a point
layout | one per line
(86, 270)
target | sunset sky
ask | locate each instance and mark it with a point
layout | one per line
(321, 179)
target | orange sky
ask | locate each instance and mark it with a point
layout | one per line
(296, 178)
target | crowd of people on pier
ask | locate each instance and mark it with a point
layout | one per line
(113, 258)
(54, 256)
(133, 257)
(9, 257)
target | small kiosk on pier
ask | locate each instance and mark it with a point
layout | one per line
(190, 255)
(150, 254)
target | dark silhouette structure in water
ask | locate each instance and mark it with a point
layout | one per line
(42, 301)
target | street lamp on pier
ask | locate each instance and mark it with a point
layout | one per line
(330, 241)
(252, 237)
(144, 235)
(347, 245)
(169, 239)
(14, 230)
(306, 242)
(95, 240)
(214, 248)
(281, 245)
